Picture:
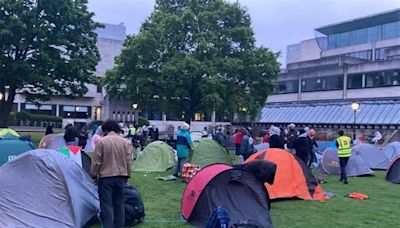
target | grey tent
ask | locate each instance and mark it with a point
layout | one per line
(355, 167)
(374, 157)
(392, 150)
(43, 188)
(261, 146)
(393, 173)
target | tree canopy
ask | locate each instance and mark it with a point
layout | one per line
(195, 56)
(47, 47)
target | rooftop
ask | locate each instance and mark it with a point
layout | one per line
(112, 31)
(362, 22)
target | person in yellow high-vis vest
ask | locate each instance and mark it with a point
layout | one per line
(343, 144)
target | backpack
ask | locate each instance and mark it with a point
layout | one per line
(134, 208)
(219, 218)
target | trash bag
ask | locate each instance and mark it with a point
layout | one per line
(134, 208)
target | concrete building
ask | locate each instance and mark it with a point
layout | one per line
(351, 61)
(94, 104)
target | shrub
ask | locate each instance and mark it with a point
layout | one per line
(38, 118)
(143, 121)
(12, 119)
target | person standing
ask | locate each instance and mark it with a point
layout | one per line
(275, 140)
(237, 140)
(71, 134)
(49, 130)
(291, 138)
(302, 146)
(83, 136)
(246, 145)
(313, 143)
(343, 143)
(111, 169)
(183, 145)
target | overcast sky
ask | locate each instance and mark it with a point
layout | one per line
(276, 23)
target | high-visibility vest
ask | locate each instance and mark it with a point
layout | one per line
(132, 131)
(344, 149)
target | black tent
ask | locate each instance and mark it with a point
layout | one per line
(236, 189)
(393, 173)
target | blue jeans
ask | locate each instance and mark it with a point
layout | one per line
(179, 165)
(112, 206)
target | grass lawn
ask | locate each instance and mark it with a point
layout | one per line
(162, 203)
(35, 136)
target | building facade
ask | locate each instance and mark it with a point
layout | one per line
(94, 105)
(352, 61)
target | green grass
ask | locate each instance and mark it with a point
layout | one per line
(162, 203)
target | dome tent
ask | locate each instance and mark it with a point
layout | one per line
(207, 151)
(11, 148)
(156, 157)
(8, 133)
(61, 194)
(393, 172)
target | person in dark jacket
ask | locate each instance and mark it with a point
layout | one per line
(275, 140)
(70, 135)
(290, 138)
(49, 130)
(83, 136)
(246, 145)
(313, 143)
(302, 146)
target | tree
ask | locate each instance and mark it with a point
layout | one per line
(195, 56)
(47, 47)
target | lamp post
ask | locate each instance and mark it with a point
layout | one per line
(355, 106)
(1, 96)
(136, 116)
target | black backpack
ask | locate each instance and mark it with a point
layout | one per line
(134, 208)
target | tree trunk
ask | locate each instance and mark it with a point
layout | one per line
(6, 106)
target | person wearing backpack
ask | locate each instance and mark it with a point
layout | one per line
(246, 145)
(275, 140)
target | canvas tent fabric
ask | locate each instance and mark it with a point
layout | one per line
(156, 157)
(43, 188)
(52, 142)
(292, 179)
(220, 185)
(8, 133)
(393, 173)
(392, 150)
(208, 151)
(375, 157)
(356, 165)
(11, 148)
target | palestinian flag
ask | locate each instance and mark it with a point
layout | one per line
(73, 152)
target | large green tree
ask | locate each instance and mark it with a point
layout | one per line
(47, 47)
(195, 56)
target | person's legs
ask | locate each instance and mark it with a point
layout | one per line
(343, 163)
(118, 201)
(105, 196)
(178, 167)
(237, 149)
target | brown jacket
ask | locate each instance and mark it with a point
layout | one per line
(112, 157)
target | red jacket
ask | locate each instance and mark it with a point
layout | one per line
(238, 138)
(265, 138)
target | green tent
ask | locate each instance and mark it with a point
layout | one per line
(11, 148)
(207, 151)
(156, 157)
(8, 133)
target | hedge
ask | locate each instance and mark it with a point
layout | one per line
(38, 118)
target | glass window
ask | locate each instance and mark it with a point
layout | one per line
(377, 79)
(323, 83)
(367, 55)
(287, 87)
(380, 54)
(354, 81)
(374, 33)
(82, 112)
(391, 30)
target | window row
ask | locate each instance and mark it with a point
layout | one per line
(364, 35)
(66, 111)
(354, 81)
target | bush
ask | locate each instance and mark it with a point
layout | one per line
(38, 118)
(12, 119)
(143, 121)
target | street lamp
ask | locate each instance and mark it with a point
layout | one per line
(135, 109)
(1, 96)
(355, 106)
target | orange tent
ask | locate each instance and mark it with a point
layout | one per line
(292, 178)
